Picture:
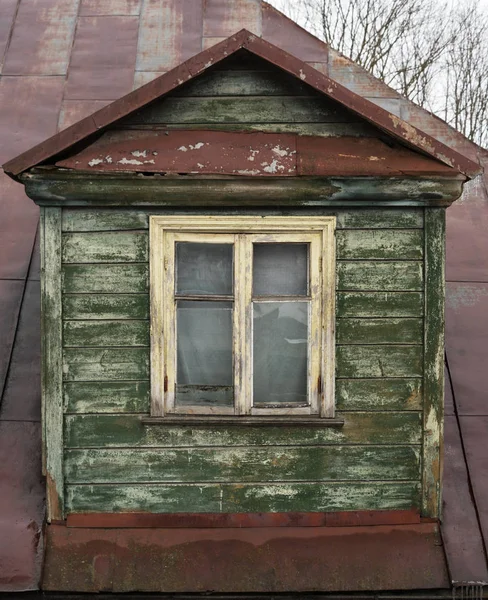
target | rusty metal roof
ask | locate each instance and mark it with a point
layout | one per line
(243, 40)
(60, 61)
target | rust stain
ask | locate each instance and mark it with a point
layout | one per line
(266, 559)
(195, 152)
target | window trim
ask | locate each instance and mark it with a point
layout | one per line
(165, 229)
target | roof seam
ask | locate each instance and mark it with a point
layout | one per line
(14, 338)
(468, 471)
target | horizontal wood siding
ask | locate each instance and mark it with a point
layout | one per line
(271, 497)
(115, 462)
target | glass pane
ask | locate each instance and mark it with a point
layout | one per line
(280, 352)
(203, 269)
(204, 352)
(280, 270)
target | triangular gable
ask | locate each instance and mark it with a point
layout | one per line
(391, 124)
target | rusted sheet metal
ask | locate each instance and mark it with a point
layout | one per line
(18, 224)
(251, 154)
(143, 77)
(439, 129)
(166, 83)
(466, 335)
(22, 396)
(474, 430)
(10, 301)
(294, 559)
(239, 520)
(93, 8)
(466, 239)
(170, 33)
(190, 152)
(22, 121)
(42, 38)
(460, 529)
(355, 78)
(223, 18)
(285, 33)
(361, 156)
(7, 14)
(103, 58)
(73, 111)
(21, 506)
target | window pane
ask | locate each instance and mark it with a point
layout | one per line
(204, 352)
(280, 270)
(203, 269)
(280, 352)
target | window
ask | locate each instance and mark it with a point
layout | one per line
(242, 316)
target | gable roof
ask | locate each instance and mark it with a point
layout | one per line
(389, 123)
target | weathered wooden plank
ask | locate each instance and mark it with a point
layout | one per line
(105, 333)
(203, 465)
(250, 109)
(106, 364)
(435, 239)
(117, 247)
(130, 190)
(379, 394)
(105, 431)
(379, 361)
(379, 276)
(151, 498)
(51, 371)
(105, 306)
(380, 219)
(380, 304)
(379, 331)
(380, 244)
(129, 278)
(215, 498)
(78, 220)
(320, 497)
(100, 219)
(244, 83)
(317, 129)
(106, 397)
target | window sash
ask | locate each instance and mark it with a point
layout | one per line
(241, 231)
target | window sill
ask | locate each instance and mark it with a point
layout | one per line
(288, 421)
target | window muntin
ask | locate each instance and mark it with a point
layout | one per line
(261, 284)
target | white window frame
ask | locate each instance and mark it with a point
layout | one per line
(243, 231)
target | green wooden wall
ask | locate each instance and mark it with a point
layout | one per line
(114, 462)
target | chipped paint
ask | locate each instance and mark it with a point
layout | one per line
(95, 161)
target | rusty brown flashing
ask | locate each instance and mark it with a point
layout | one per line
(238, 520)
(245, 560)
(228, 153)
(389, 123)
